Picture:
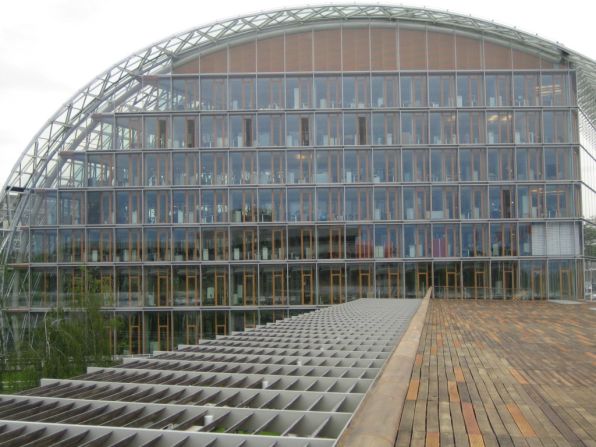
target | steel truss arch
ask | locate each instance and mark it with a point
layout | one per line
(75, 120)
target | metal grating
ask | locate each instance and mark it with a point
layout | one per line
(296, 382)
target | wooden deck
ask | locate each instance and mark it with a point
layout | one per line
(503, 374)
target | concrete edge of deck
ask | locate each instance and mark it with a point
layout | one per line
(376, 420)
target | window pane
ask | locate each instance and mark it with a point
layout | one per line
(385, 91)
(441, 90)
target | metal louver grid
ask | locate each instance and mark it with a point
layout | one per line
(292, 383)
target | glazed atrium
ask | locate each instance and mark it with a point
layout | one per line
(264, 166)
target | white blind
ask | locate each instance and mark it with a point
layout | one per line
(538, 243)
(552, 240)
(562, 239)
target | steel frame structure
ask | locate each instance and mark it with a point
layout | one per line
(122, 86)
(74, 120)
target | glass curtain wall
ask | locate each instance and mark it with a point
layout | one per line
(267, 182)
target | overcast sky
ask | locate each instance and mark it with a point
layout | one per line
(49, 49)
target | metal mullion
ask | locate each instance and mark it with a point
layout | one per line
(190, 398)
(100, 440)
(237, 424)
(153, 395)
(275, 381)
(248, 401)
(140, 423)
(46, 440)
(221, 382)
(48, 410)
(26, 437)
(150, 443)
(62, 389)
(145, 377)
(237, 383)
(189, 422)
(72, 441)
(162, 423)
(228, 399)
(209, 427)
(320, 427)
(55, 417)
(91, 392)
(314, 403)
(106, 417)
(84, 416)
(137, 395)
(335, 408)
(28, 406)
(14, 432)
(292, 425)
(172, 379)
(311, 386)
(268, 404)
(120, 393)
(264, 425)
(51, 387)
(170, 397)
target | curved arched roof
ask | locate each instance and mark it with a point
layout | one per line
(72, 123)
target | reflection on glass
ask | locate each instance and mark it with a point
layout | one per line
(300, 166)
(358, 166)
(243, 130)
(498, 90)
(356, 129)
(500, 164)
(214, 130)
(472, 164)
(213, 93)
(328, 92)
(441, 91)
(502, 202)
(471, 127)
(271, 130)
(415, 165)
(413, 90)
(525, 89)
(499, 127)
(444, 165)
(387, 203)
(329, 129)
(299, 130)
(185, 94)
(299, 92)
(385, 128)
(356, 92)
(417, 241)
(184, 132)
(242, 93)
(243, 168)
(128, 169)
(386, 165)
(527, 127)
(270, 93)
(470, 90)
(385, 90)
(474, 240)
(554, 89)
(414, 128)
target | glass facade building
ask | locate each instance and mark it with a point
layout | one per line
(267, 173)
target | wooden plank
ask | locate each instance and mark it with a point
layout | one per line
(507, 374)
(413, 389)
(524, 427)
